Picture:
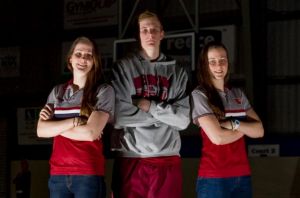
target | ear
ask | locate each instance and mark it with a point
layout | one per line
(70, 60)
(69, 64)
(162, 34)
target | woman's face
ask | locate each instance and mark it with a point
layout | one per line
(218, 63)
(82, 59)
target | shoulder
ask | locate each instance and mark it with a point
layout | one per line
(60, 87)
(57, 92)
(105, 87)
(236, 91)
(126, 64)
(128, 59)
(238, 95)
(199, 89)
(167, 58)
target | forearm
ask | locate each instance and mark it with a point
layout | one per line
(252, 129)
(252, 125)
(52, 128)
(80, 133)
(89, 131)
(216, 131)
(176, 115)
(129, 115)
(228, 136)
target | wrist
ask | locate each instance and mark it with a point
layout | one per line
(152, 106)
(235, 124)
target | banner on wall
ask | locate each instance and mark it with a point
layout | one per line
(27, 122)
(90, 13)
(9, 62)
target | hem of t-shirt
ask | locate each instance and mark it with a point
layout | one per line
(141, 155)
(224, 174)
(195, 119)
(161, 161)
(76, 173)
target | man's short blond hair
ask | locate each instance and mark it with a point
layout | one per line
(147, 14)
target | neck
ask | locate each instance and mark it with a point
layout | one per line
(151, 54)
(218, 84)
(79, 81)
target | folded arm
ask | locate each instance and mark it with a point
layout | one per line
(128, 114)
(215, 132)
(47, 127)
(89, 131)
(174, 112)
(73, 128)
(251, 127)
(176, 115)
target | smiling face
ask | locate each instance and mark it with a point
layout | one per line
(218, 63)
(81, 59)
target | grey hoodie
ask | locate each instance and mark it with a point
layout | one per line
(156, 132)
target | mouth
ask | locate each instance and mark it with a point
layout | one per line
(219, 73)
(150, 42)
(81, 67)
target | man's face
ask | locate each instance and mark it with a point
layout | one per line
(151, 33)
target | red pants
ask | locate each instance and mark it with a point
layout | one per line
(159, 177)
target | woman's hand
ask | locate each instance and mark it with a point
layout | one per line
(47, 112)
(226, 124)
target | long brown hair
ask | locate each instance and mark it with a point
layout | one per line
(205, 81)
(94, 77)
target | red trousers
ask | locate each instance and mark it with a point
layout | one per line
(159, 177)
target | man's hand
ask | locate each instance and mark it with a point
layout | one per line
(143, 104)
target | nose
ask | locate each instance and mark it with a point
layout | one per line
(83, 59)
(152, 31)
(150, 35)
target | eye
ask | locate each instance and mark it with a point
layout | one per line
(223, 61)
(143, 31)
(155, 30)
(86, 56)
(212, 62)
(78, 55)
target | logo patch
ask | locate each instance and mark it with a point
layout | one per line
(238, 100)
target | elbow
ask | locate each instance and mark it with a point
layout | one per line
(261, 133)
(184, 124)
(90, 138)
(94, 136)
(39, 132)
(182, 127)
(217, 141)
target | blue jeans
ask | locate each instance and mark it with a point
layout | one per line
(232, 187)
(76, 186)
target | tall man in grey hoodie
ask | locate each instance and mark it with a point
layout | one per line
(151, 107)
